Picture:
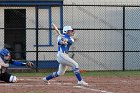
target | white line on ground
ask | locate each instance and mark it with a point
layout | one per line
(96, 90)
(12, 84)
(31, 79)
(25, 85)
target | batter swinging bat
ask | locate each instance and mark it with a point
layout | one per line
(58, 32)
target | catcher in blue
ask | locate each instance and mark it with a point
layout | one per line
(5, 60)
(64, 42)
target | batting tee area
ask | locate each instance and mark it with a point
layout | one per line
(68, 85)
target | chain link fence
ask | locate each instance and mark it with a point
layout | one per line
(107, 36)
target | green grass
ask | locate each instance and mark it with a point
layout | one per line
(93, 73)
(113, 73)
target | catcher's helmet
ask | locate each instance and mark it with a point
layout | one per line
(66, 29)
(4, 52)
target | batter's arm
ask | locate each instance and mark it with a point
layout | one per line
(61, 40)
(69, 41)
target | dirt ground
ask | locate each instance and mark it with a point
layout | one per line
(67, 84)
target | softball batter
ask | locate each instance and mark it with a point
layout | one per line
(64, 42)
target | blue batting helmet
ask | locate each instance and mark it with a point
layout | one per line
(4, 52)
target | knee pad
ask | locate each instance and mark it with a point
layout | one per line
(76, 70)
(13, 79)
(54, 74)
(76, 66)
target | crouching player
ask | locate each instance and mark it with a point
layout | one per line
(5, 60)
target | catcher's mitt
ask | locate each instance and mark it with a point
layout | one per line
(29, 64)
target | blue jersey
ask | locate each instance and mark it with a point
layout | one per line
(64, 48)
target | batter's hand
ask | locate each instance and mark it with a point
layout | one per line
(65, 40)
(62, 42)
(30, 64)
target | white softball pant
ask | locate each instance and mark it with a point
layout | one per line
(65, 62)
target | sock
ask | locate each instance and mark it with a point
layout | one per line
(51, 76)
(77, 74)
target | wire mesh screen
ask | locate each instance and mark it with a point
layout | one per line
(107, 37)
(91, 61)
(103, 30)
(98, 36)
(99, 40)
(90, 17)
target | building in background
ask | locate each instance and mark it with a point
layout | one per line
(18, 23)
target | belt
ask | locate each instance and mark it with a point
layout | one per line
(66, 52)
(63, 52)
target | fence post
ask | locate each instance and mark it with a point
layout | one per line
(36, 38)
(61, 18)
(123, 38)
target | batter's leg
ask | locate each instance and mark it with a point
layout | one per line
(66, 60)
(61, 71)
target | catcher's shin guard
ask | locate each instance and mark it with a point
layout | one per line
(5, 77)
